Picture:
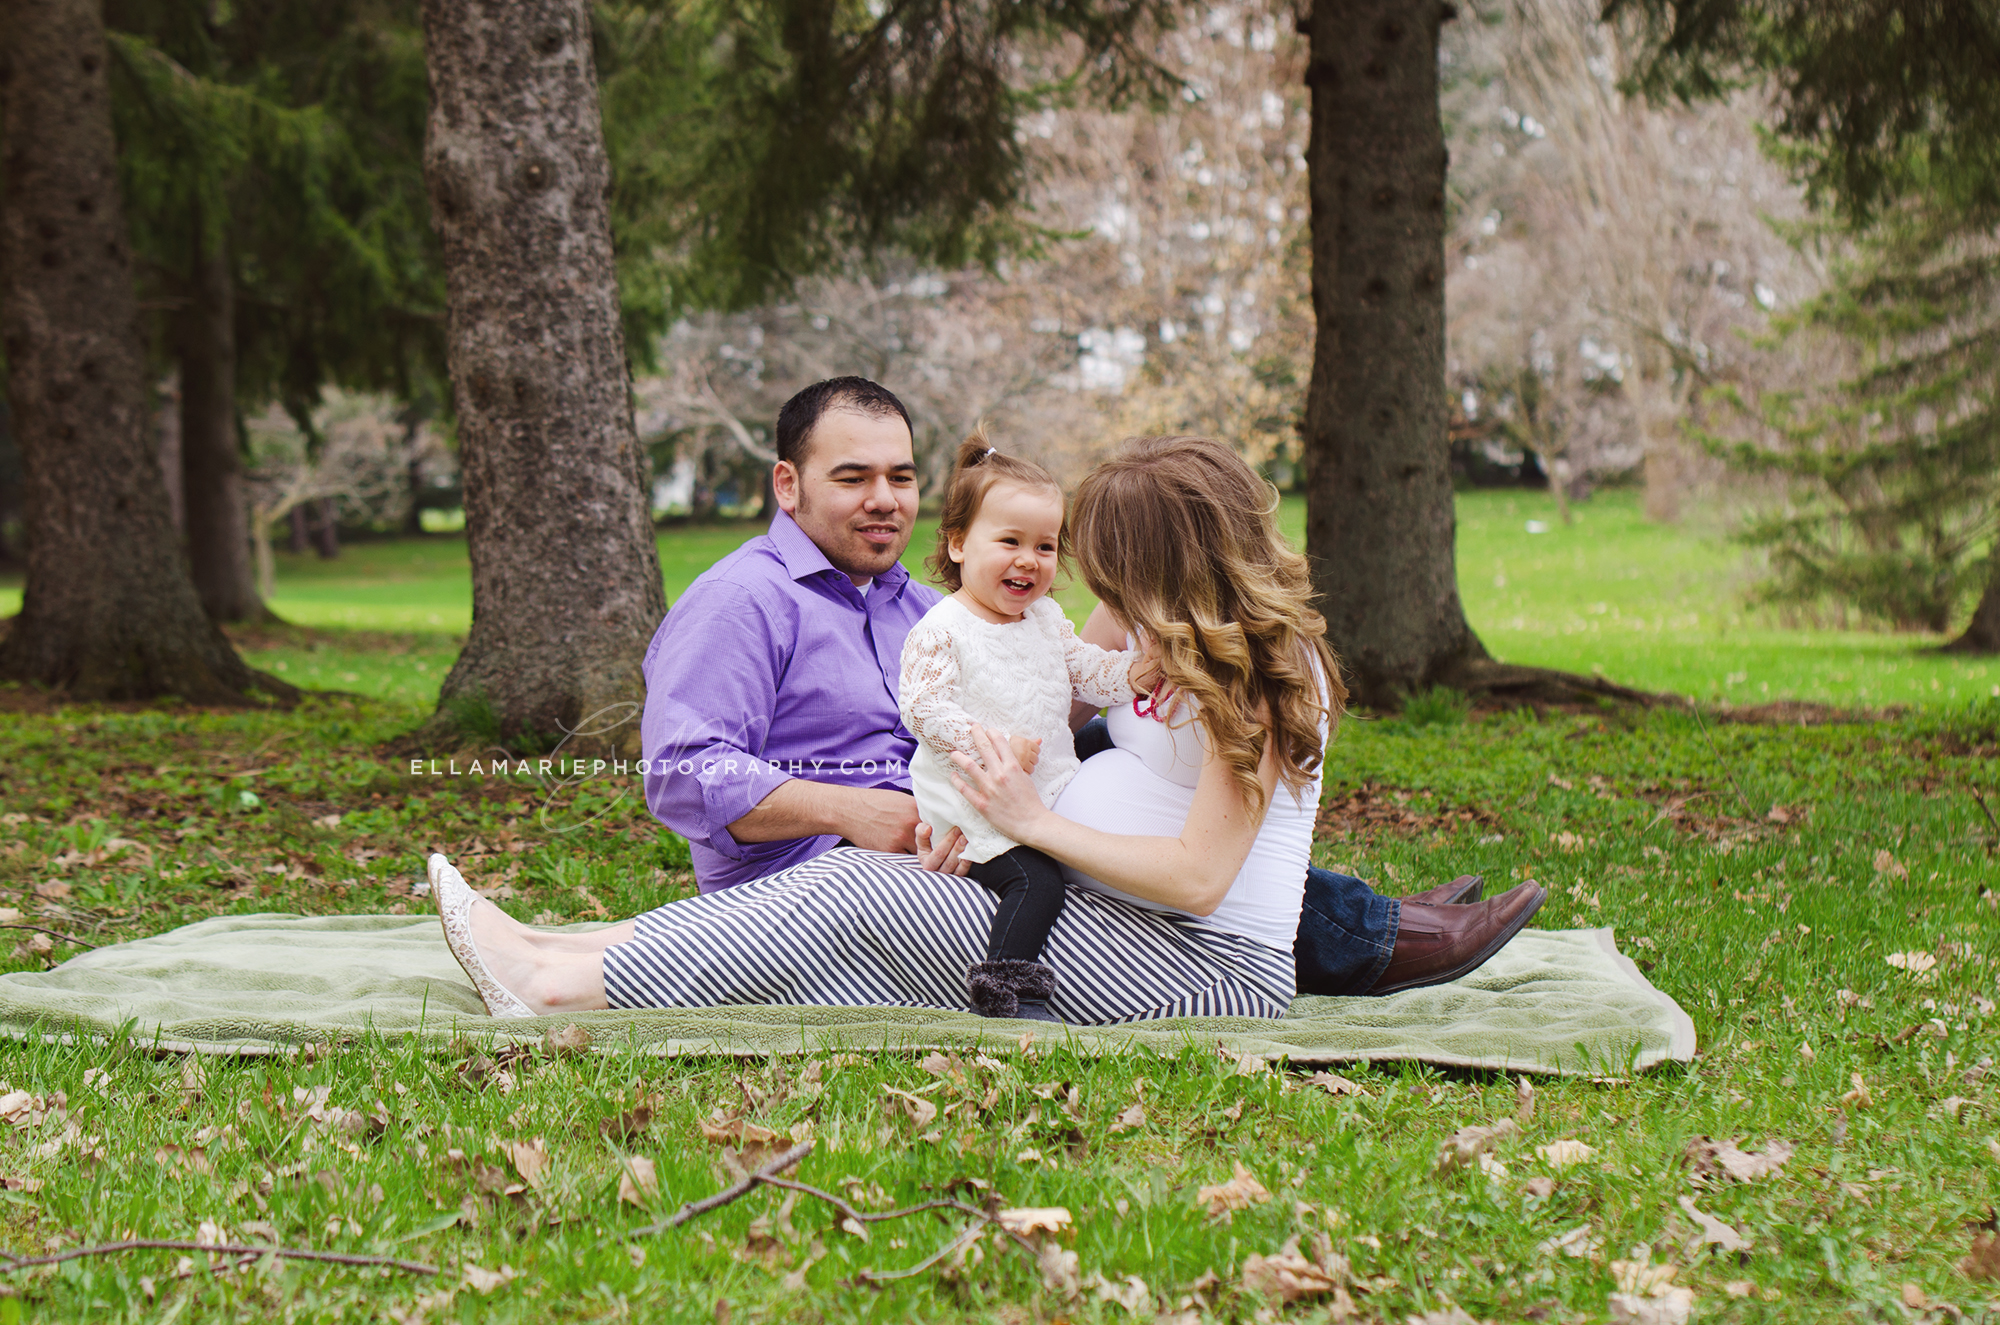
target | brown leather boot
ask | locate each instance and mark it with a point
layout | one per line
(1461, 890)
(1439, 943)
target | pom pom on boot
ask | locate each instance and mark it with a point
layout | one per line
(1009, 988)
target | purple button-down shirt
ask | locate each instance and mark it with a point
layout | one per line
(773, 666)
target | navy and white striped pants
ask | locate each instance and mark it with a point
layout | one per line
(856, 928)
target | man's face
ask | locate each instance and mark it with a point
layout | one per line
(854, 491)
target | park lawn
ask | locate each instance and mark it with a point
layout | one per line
(1658, 607)
(1774, 930)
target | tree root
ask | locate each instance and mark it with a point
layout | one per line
(1514, 685)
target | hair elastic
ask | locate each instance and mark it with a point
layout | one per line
(991, 450)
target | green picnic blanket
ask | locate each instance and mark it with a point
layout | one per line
(1551, 1001)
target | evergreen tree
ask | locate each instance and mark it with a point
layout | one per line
(1381, 524)
(109, 611)
(271, 156)
(1890, 112)
(1895, 469)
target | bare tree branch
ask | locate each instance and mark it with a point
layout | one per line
(12, 1263)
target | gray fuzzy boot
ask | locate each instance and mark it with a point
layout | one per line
(1016, 989)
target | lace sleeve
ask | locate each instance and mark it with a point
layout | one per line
(1096, 676)
(928, 692)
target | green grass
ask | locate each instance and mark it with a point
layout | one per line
(1663, 608)
(1773, 931)
(1754, 926)
(1657, 607)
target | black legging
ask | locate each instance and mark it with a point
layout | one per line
(1030, 884)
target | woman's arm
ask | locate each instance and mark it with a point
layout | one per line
(1192, 872)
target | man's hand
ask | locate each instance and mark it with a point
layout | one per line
(881, 820)
(866, 816)
(1027, 751)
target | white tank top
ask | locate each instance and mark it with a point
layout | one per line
(1146, 786)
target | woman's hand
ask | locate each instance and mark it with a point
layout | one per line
(942, 857)
(998, 787)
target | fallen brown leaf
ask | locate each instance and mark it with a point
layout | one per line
(1670, 1308)
(1708, 1158)
(483, 1281)
(1467, 1144)
(1286, 1276)
(623, 1127)
(1058, 1267)
(1130, 1120)
(1239, 1193)
(1131, 1293)
(1983, 1261)
(1563, 1153)
(1031, 1219)
(1335, 1084)
(638, 1182)
(922, 1112)
(570, 1039)
(1713, 1230)
(531, 1160)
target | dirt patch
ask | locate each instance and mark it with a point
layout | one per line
(1800, 713)
(281, 635)
(1371, 810)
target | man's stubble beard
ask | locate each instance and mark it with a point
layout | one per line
(803, 516)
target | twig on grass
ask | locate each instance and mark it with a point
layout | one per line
(864, 1217)
(883, 1276)
(1989, 817)
(12, 1263)
(730, 1193)
(55, 934)
(767, 1176)
(1727, 771)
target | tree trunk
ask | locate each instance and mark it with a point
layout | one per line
(1380, 517)
(1380, 522)
(326, 528)
(218, 521)
(566, 586)
(167, 427)
(295, 521)
(1982, 635)
(413, 472)
(109, 611)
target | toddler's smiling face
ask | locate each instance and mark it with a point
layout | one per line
(1007, 558)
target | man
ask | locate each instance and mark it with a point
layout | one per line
(771, 728)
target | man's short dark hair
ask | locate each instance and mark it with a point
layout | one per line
(802, 413)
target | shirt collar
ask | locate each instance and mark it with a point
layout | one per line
(803, 558)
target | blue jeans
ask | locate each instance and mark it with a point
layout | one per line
(1346, 929)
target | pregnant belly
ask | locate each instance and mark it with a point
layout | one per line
(1115, 792)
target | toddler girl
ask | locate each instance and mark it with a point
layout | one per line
(999, 653)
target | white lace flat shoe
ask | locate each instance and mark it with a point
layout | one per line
(454, 902)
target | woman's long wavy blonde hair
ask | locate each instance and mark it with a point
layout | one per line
(1176, 536)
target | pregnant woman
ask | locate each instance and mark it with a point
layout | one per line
(1184, 848)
